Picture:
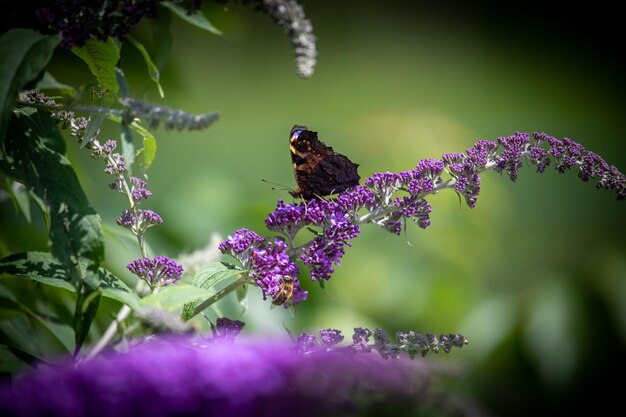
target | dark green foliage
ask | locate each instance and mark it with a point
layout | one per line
(31, 157)
(24, 54)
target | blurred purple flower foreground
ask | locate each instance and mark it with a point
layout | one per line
(188, 377)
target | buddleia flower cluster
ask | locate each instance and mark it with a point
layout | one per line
(153, 115)
(189, 376)
(267, 261)
(78, 21)
(289, 15)
(390, 200)
(157, 271)
(410, 342)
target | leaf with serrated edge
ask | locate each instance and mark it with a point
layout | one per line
(213, 273)
(101, 58)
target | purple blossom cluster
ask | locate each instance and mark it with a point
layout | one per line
(390, 199)
(185, 376)
(227, 330)
(78, 21)
(569, 154)
(157, 271)
(138, 220)
(336, 219)
(409, 342)
(289, 15)
(267, 262)
(138, 189)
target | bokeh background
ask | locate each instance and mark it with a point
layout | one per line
(534, 276)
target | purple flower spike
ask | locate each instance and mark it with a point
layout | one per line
(160, 270)
(185, 377)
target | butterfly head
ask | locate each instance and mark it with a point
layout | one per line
(299, 138)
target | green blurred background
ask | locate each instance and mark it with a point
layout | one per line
(534, 276)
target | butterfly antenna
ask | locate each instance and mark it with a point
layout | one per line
(281, 186)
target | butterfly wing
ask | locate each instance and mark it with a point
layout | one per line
(319, 171)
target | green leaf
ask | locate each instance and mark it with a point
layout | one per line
(38, 266)
(197, 19)
(207, 277)
(153, 71)
(213, 273)
(173, 297)
(146, 155)
(43, 267)
(48, 82)
(24, 54)
(9, 362)
(23, 201)
(161, 39)
(20, 332)
(59, 331)
(101, 58)
(75, 236)
(115, 288)
(122, 84)
(128, 147)
(87, 304)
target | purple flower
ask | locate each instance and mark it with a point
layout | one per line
(270, 265)
(355, 198)
(139, 222)
(267, 262)
(109, 146)
(138, 189)
(384, 184)
(240, 241)
(360, 339)
(320, 255)
(298, 294)
(127, 219)
(510, 158)
(160, 270)
(331, 337)
(227, 329)
(78, 21)
(115, 165)
(383, 345)
(305, 343)
(287, 219)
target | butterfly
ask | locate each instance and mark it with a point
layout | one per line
(319, 171)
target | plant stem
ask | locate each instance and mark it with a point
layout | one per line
(122, 314)
(219, 295)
